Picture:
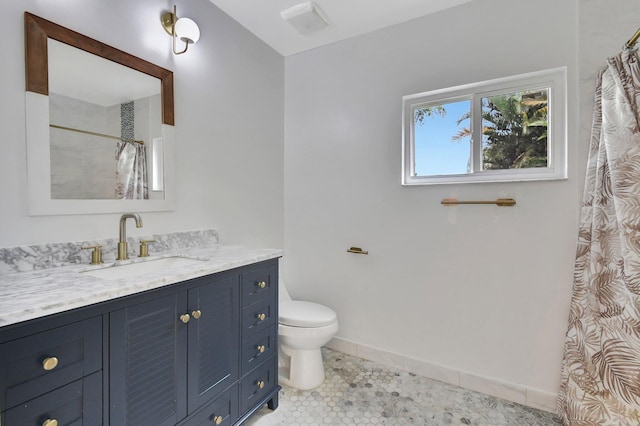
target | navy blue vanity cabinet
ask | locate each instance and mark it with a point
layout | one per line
(52, 376)
(223, 411)
(198, 352)
(76, 404)
(148, 364)
(171, 355)
(213, 340)
(259, 361)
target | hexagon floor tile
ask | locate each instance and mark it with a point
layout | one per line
(361, 392)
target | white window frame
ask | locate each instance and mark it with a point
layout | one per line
(554, 79)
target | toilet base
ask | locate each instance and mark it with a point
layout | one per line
(300, 368)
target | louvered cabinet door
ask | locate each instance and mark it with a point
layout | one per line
(214, 340)
(148, 363)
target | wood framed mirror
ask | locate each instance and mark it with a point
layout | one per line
(41, 36)
(38, 30)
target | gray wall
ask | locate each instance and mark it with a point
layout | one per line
(229, 123)
(482, 290)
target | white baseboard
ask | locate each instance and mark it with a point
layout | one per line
(524, 395)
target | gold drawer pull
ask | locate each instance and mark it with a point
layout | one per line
(50, 422)
(196, 314)
(261, 348)
(185, 318)
(217, 420)
(261, 317)
(262, 284)
(49, 364)
(260, 384)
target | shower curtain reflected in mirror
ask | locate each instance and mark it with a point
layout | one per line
(601, 366)
(131, 171)
(131, 159)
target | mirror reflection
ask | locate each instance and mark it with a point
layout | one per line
(79, 102)
(105, 128)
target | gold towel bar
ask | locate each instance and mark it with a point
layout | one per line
(502, 202)
(357, 250)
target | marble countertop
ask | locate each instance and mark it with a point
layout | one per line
(34, 294)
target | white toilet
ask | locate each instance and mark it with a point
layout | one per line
(304, 327)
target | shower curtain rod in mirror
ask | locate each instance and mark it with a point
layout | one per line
(96, 134)
(633, 39)
(501, 202)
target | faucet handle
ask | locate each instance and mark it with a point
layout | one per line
(144, 247)
(96, 255)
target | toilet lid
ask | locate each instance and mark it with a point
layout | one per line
(297, 313)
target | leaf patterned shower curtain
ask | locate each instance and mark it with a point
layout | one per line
(131, 159)
(601, 366)
(131, 171)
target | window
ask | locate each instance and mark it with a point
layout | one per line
(510, 129)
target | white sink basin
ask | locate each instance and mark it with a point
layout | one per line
(153, 266)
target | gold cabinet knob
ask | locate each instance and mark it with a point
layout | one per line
(260, 384)
(262, 284)
(185, 318)
(217, 420)
(261, 317)
(50, 363)
(50, 422)
(261, 348)
(196, 314)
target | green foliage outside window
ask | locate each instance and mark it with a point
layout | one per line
(514, 129)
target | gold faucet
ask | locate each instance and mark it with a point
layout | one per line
(122, 243)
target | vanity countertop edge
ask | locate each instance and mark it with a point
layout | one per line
(29, 295)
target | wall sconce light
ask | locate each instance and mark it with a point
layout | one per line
(184, 29)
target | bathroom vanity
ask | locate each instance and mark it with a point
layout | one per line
(192, 344)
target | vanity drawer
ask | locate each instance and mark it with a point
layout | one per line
(257, 318)
(258, 348)
(257, 384)
(222, 411)
(76, 404)
(39, 363)
(258, 285)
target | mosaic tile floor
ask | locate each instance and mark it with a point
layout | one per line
(361, 392)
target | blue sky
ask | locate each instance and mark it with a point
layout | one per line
(435, 152)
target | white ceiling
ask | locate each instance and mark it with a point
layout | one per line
(347, 18)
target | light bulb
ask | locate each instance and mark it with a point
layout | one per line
(187, 30)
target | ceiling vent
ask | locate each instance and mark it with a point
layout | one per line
(305, 17)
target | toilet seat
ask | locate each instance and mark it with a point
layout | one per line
(299, 313)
